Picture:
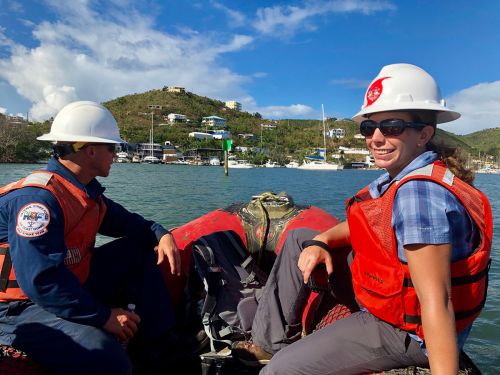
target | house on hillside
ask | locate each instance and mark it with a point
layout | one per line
(231, 104)
(176, 117)
(336, 133)
(249, 136)
(267, 126)
(177, 89)
(214, 121)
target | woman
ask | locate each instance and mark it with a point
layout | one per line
(421, 235)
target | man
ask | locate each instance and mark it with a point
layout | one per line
(63, 301)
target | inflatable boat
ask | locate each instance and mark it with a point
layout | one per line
(259, 227)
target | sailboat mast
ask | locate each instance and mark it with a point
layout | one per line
(324, 131)
(152, 136)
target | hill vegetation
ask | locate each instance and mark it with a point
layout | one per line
(18, 142)
(286, 137)
(485, 141)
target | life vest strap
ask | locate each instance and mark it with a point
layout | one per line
(461, 280)
(459, 315)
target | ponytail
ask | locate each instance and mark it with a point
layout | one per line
(451, 156)
(453, 159)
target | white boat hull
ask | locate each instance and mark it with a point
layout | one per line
(320, 167)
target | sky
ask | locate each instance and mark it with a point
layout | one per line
(283, 59)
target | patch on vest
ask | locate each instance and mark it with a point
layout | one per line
(73, 256)
(32, 220)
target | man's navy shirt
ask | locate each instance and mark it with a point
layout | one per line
(39, 261)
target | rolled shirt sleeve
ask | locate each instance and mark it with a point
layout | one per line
(425, 212)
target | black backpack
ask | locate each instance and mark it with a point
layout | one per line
(229, 274)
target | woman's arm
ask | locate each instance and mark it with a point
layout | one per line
(311, 256)
(430, 273)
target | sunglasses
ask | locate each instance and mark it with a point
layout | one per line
(389, 127)
(111, 147)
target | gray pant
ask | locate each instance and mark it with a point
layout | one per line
(352, 345)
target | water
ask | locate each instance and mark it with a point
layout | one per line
(173, 195)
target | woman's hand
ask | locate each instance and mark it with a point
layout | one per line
(310, 257)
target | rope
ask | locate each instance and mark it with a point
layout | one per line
(264, 225)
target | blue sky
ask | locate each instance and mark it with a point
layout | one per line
(282, 59)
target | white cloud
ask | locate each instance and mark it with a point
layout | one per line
(479, 106)
(3, 110)
(275, 111)
(88, 56)
(286, 20)
(236, 18)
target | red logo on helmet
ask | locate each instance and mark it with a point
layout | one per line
(374, 91)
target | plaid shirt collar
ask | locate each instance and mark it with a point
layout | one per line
(380, 185)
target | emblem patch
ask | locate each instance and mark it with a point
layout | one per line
(374, 91)
(32, 220)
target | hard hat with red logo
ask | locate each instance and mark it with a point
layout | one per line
(83, 121)
(400, 87)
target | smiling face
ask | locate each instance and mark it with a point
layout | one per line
(395, 153)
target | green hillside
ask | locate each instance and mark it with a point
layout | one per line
(296, 137)
(289, 137)
(484, 141)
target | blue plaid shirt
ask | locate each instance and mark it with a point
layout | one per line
(427, 213)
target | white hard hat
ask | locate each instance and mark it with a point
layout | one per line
(83, 121)
(400, 87)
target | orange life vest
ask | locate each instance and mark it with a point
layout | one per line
(82, 219)
(382, 283)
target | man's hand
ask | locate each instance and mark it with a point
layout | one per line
(310, 257)
(122, 324)
(167, 247)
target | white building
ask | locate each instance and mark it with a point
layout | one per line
(231, 104)
(220, 134)
(336, 133)
(176, 117)
(268, 126)
(177, 89)
(214, 121)
(211, 134)
(247, 136)
(354, 151)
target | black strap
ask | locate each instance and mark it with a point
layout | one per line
(459, 315)
(248, 263)
(468, 279)
(321, 244)
(213, 279)
(6, 268)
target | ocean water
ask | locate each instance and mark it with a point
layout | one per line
(173, 195)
